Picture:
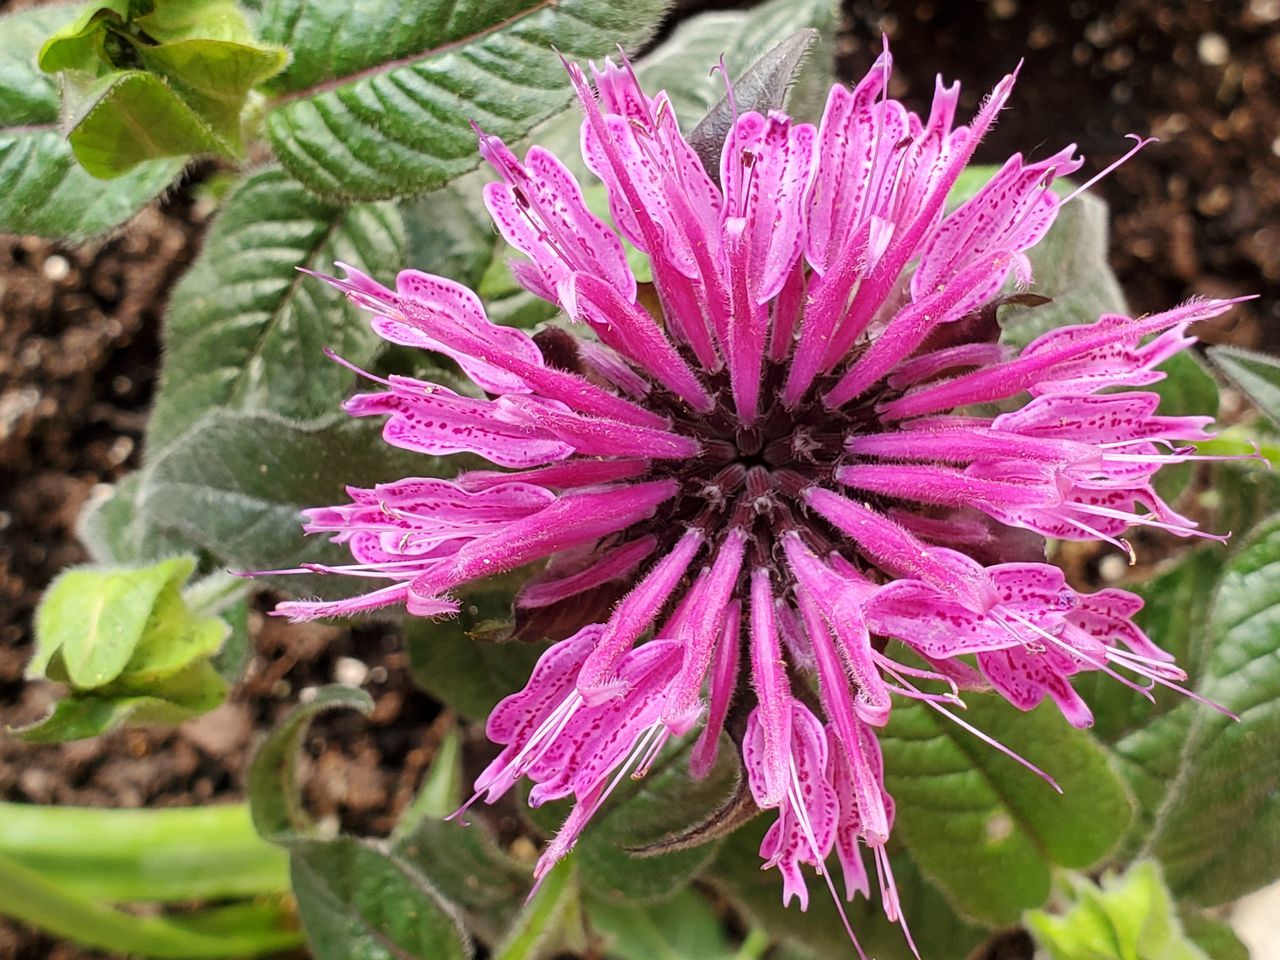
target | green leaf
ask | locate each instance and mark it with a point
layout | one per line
(169, 855)
(379, 105)
(818, 932)
(1129, 918)
(469, 674)
(94, 620)
(1257, 374)
(682, 64)
(1218, 832)
(684, 927)
(987, 831)
(272, 787)
(237, 931)
(235, 486)
(1070, 266)
(761, 87)
(1186, 390)
(549, 921)
(622, 855)
(1215, 938)
(114, 530)
(246, 330)
(43, 190)
(171, 82)
(357, 900)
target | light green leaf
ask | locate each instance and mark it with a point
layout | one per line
(94, 620)
(357, 900)
(246, 330)
(166, 855)
(274, 797)
(984, 829)
(549, 922)
(379, 105)
(235, 931)
(78, 45)
(1070, 266)
(43, 190)
(1218, 832)
(1129, 918)
(1257, 374)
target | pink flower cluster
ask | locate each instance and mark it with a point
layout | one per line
(777, 458)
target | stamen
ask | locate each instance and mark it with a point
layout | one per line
(1139, 143)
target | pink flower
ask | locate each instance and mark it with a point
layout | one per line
(776, 468)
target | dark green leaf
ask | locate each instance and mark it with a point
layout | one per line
(43, 190)
(1128, 918)
(818, 932)
(272, 786)
(1257, 374)
(245, 329)
(469, 674)
(379, 105)
(983, 828)
(761, 87)
(356, 900)
(1218, 832)
(641, 814)
(550, 923)
(236, 483)
(114, 530)
(685, 927)
(1187, 390)
(1215, 938)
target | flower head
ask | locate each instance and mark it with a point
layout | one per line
(780, 460)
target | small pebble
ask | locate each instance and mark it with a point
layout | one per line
(350, 672)
(1112, 568)
(56, 268)
(1213, 50)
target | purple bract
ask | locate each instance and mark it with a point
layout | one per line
(802, 440)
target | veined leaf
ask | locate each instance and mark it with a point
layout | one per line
(984, 829)
(246, 330)
(43, 190)
(1257, 374)
(379, 104)
(1218, 832)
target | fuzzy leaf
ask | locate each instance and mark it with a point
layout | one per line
(1257, 374)
(379, 105)
(1217, 844)
(274, 797)
(984, 829)
(246, 330)
(357, 900)
(762, 87)
(685, 927)
(43, 190)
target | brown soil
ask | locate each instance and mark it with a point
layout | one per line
(78, 351)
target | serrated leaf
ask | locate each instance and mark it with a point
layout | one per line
(237, 482)
(380, 105)
(984, 829)
(818, 932)
(1128, 918)
(357, 900)
(1257, 374)
(274, 798)
(43, 190)
(1218, 832)
(761, 87)
(246, 330)
(682, 64)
